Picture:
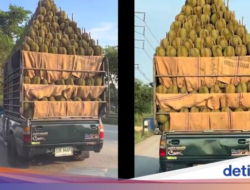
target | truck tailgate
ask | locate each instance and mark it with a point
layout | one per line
(66, 131)
(230, 144)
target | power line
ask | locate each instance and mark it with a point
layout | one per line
(147, 28)
(143, 48)
(142, 73)
(148, 55)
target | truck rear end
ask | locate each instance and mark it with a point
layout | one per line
(65, 137)
(185, 149)
(199, 126)
(59, 119)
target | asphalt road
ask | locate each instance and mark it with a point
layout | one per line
(100, 164)
(147, 156)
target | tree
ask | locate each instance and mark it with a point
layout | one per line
(12, 21)
(12, 24)
(111, 52)
(143, 97)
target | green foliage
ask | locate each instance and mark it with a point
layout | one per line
(11, 28)
(111, 52)
(11, 22)
(143, 97)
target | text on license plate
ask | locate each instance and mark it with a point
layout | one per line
(63, 151)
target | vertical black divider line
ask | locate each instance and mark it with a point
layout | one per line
(126, 89)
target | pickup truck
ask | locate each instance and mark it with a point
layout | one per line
(71, 137)
(58, 137)
(184, 149)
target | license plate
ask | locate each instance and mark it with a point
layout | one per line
(64, 151)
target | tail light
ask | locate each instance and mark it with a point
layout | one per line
(26, 134)
(163, 148)
(101, 132)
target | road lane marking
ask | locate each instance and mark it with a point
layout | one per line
(110, 131)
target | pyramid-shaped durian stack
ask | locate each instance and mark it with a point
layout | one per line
(205, 28)
(51, 31)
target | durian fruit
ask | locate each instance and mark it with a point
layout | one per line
(205, 109)
(26, 80)
(161, 89)
(77, 99)
(60, 82)
(86, 99)
(189, 44)
(89, 81)
(194, 52)
(215, 111)
(26, 105)
(241, 88)
(241, 30)
(52, 98)
(180, 17)
(61, 98)
(235, 40)
(194, 109)
(162, 118)
(85, 36)
(206, 52)
(98, 81)
(90, 52)
(71, 50)
(173, 88)
(183, 89)
(80, 82)
(44, 81)
(43, 47)
(217, 51)
(230, 88)
(97, 49)
(34, 47)
(171, 51)
(209, 42)
(170, 37)
(193, 35)
(62, 50)
(165, 127)
(44, 99)
(248, 86)
(239, 110)
(35, 80)
(241, 50)
(246, 39)
(69, 81)
(176, 43)
(215, 89)
(232, 26)
(220, 24)
(182, 52)
(53, 49)
(185, 110)
(91, 41)
(199, 43)
(229, 51)
(203, 89)
(25, 46)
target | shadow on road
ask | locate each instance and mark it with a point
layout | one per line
(146, 165)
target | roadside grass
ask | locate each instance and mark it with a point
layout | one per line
(139, 118)
(139, 137)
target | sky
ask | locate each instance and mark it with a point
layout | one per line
(99, 17)
(159, 16)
